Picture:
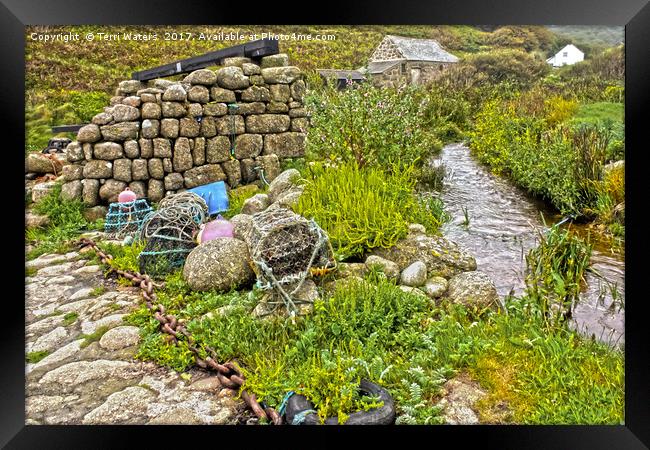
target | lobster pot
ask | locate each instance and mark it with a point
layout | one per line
(126, 218)
(169, 233)
(284, 246)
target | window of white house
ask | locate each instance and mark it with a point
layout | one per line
(565, 54)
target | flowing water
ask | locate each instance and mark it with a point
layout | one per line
(504, 224)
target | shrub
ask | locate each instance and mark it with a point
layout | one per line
(364, 208)
(515, 66)
(370, 126)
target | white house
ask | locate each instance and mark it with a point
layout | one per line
(567, 56)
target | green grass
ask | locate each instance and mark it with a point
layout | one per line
(70, 318)
(34, 357)
(66, 222)
(362, 209)
(237, 197)
(600, 112)
(93, 337)
(406, 344)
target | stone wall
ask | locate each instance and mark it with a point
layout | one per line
(409, 72)
(163, 137)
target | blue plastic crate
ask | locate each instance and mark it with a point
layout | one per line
(215, 196)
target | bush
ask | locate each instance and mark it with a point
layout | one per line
(370, 126)
(362, 209)
(510, 65)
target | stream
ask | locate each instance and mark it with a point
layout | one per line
(504, 224)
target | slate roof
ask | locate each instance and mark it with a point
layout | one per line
(382, 66)
(422, 49)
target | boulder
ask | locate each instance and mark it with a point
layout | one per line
(221, 264)
(151, 111)
(146, 148)
(169, 128)
(155, 190)
(298, 89)
(41, 163)
(435, 287)
(256, 94)
(298, 112)
(89, 133)
(38, 221)
(217, 149)
(289, 199)
(277, 107)
(214, 109)
(285, 145)
(132, 100)
(182, 159)
(441, 256)
(74, 152)
(173, 181)
(218, 94)
(283, 183)
(90, 194)
(73, 172)
(95, 213)
(267, 123)
(122, 169)
(175, 93)
(473, 289)
(124, 113)
(103, 118)
(255, 204)
(131, 149)
(150, 129)
(270, 165)
(155, 168)
(236, 61)
(250, 69)
(173, 109)
(205, 77)
(162, 148)
(416, 229)
(189, 127)
(130, 86)
(248, 145)
(242, 225)
(390, 269)
(98, 169)
(139, 188)
(198, 176)
(232, 77)
(72, 190)
(281, 75)
(280, 92)
(278, 60)
(120, 131)
(225, 125)
(111, 189)
(232, 169)
(414, 275)
(108, 151)
(412, 290)
(200, 94)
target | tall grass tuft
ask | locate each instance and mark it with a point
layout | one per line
(556, 269)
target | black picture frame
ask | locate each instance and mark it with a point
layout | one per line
(634, 14)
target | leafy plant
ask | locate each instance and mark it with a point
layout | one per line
(365, 208)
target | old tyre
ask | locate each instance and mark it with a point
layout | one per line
(384, 415)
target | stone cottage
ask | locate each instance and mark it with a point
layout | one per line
(400, 60)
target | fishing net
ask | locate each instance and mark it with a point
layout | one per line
(169, 233)
(126, 218)
(285, 248)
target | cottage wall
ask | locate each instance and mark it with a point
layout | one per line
(163, 137)
(410, 72)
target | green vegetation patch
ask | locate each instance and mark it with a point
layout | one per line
(34, 357)
(365, 208)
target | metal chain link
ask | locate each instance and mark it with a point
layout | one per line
(227, 373)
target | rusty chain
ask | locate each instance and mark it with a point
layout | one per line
(227, 373)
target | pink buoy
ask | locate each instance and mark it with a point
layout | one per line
(219, 227)
(127, 196)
